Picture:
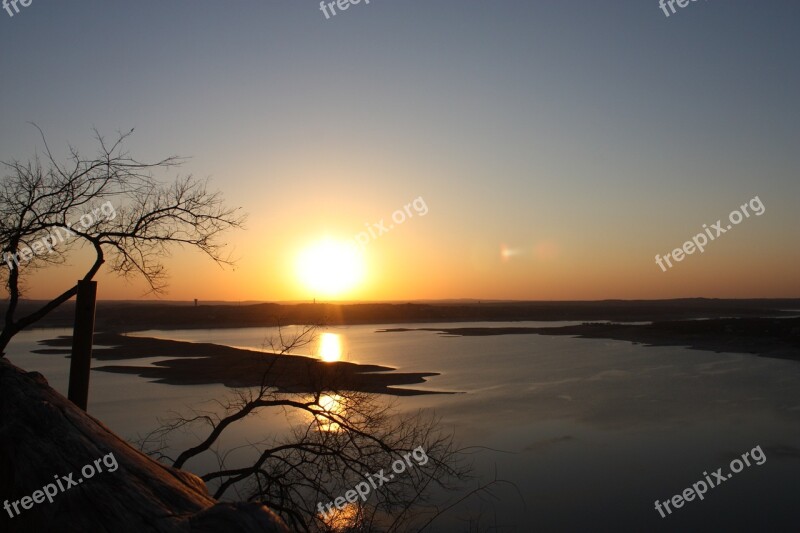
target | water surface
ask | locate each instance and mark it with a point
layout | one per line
(590, 431)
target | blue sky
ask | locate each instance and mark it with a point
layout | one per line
(602, 130)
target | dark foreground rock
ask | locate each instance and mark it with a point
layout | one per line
(46, 440)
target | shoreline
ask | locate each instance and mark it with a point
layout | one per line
(765, 337)
(128, 317)
(191, 363)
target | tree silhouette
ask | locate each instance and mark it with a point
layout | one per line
(111, 202)
(344, 438)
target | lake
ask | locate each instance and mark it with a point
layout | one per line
(590, 432)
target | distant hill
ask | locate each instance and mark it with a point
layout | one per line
(130, 316)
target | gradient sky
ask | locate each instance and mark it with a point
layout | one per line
(585, 136)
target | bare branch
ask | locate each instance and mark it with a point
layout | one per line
(112, 202)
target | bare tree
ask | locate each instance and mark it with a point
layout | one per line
(50, 210)
(110, 202)
(344, 439)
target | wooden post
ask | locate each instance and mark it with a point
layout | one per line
(82, 337)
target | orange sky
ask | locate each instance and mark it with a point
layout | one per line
(555, 155)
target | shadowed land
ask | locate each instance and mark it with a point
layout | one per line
(767, 337)
(137, 316)
(205, 363)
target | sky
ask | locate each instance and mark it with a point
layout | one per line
(558, 146)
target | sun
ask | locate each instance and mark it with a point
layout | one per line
(330, 267)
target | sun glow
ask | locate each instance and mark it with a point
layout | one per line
(330, 267)
(330, 348)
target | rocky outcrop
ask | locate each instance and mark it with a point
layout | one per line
(45, 445)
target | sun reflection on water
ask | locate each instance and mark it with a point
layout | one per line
(342, 519)
(331, 404)
(330, 347)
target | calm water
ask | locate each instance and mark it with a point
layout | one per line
(591, 432)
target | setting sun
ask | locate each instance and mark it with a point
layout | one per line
(330, 267)
(430, 266)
